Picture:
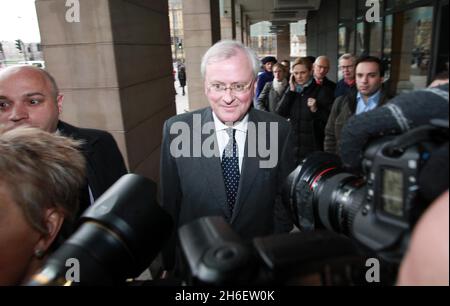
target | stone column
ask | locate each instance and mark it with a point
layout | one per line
(238, 22)
(114, 67)
(245, 30)
(201, 30)
(404, 57)
(284, 45)
(226, 21)
(322, 34)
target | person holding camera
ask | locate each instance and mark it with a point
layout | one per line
(369, 95)
(33, 209)
(426, 261)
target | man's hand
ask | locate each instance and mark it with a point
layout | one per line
(312, 104)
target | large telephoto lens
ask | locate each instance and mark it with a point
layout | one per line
(321, 193)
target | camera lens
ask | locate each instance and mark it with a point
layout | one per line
(339, 200)
(322, 194)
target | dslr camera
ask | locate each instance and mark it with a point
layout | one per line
(376, 205)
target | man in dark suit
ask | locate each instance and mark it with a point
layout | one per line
(30, 96)
(217, 165)
(321, 67)
(348, 83)
(104, 162)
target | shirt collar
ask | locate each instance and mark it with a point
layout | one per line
(239, 125)
(299, 88)
(373, 99)
(350, 82)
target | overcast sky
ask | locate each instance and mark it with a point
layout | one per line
(18, 20)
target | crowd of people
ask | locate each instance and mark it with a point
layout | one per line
(51, 171)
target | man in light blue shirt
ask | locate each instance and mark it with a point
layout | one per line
(369, 94)
(369, 79)
(363, 106)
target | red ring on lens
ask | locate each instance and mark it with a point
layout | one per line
(320, 175)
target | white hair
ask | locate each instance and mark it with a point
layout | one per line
(226, 49)
(322, 57)
(348, 56)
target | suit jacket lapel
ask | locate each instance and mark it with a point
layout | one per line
(248, 173)
(87, 149)
(213, 170)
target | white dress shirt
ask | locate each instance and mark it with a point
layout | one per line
(240, 135)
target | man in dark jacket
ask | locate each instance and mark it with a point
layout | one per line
(307, 108)
(182, 78)
(274, 92)
(369, 94)
(347, 83)
(320, 70)
(246, 193)
(30, 96)
(266, 75)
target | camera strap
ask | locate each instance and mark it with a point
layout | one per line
(437, 91)
(402, 142)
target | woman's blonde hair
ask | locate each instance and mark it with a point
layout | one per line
(41, 170)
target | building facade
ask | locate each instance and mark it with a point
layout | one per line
(409, 36)
(116, 71)
(11, 55)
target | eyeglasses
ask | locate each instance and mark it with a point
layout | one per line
(347, 67)
(235, 87)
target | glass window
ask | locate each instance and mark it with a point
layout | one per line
(351, 39)
(361, 8)
(360, 39)
(398, 3)
(346, 10)
(346, 38)
(342, 40)
(413, 48)
(376, 35)
(387, 47)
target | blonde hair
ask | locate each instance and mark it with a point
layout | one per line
(303, 61)
(281, 67)
(41, 170)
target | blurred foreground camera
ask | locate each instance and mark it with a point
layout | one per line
(379, 206)
(216, 255)
(118, 237)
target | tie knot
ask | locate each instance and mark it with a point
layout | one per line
(231, 147)
(231, 132)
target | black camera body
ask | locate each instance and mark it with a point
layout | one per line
(377, 205)
(346, 217)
